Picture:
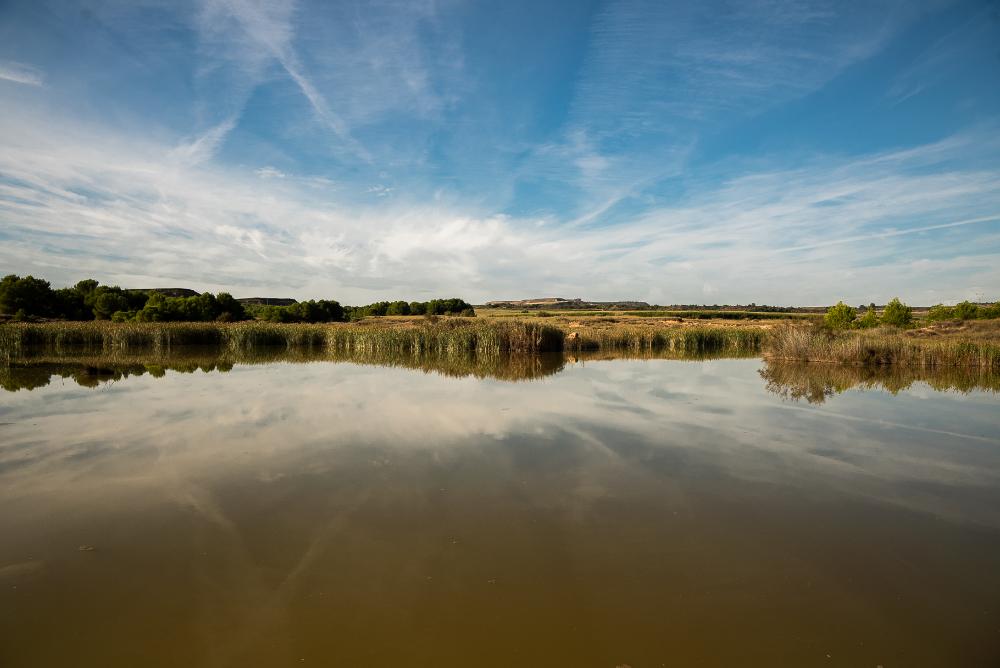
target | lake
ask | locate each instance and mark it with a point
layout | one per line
(548, 511)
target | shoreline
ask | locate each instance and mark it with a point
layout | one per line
(973, 345)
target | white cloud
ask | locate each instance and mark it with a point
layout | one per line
(380, 190)
(203, 147)
(21, 73)
(78, 201)
(251, 30)
(269, 173)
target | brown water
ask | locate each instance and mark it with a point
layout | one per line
(629, 512)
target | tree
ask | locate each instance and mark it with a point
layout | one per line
(966, 310)
(840, 316)
(107, 303)
(940, 312)
(29, 295)
(86, 286)
(398, 308)
(897, 313)
(229, 309)
(870, 318)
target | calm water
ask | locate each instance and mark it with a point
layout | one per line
(606, 513)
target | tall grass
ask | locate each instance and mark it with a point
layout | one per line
(627, 337)
(485, 338)
(881, 346)
(446, 335)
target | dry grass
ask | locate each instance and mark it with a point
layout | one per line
(915, 348)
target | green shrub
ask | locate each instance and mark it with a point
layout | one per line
(869, 319)
(897, 313)
(940, 312)
(840, 316)
(966, 310)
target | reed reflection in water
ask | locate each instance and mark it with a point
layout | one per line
(813, 382)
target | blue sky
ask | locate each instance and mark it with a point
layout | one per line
(791, 152)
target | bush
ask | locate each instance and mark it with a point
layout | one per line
(452, 306)
(897, 313)
(869, 319)
(311, 311)
(963, 311)
(941, 312)
(966, 310)
(398, 308)
(840, 316)
(203, 308)
(26, 296)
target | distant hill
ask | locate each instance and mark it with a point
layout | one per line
(562, 303)
(246, 301)
(266, 301)
(169, 292)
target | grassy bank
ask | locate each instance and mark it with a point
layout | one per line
(925, 348)
(971, 344)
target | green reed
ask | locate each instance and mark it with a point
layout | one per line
(682, 339)
(445, 335)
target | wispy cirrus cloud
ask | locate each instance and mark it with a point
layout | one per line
(655, 66)
(353, 68)
(663, 151)
(21, 73)
(657, 76)
(252, 32)
(125, 214)
(203, 147)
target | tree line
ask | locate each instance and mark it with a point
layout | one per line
(28, 297)
(330, 311)
(964, 311)
(898, 314)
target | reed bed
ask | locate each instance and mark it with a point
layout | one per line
(625, 337)
(444, 336)
(884, 346)
(486, 338)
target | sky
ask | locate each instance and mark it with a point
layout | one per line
(793, 152)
